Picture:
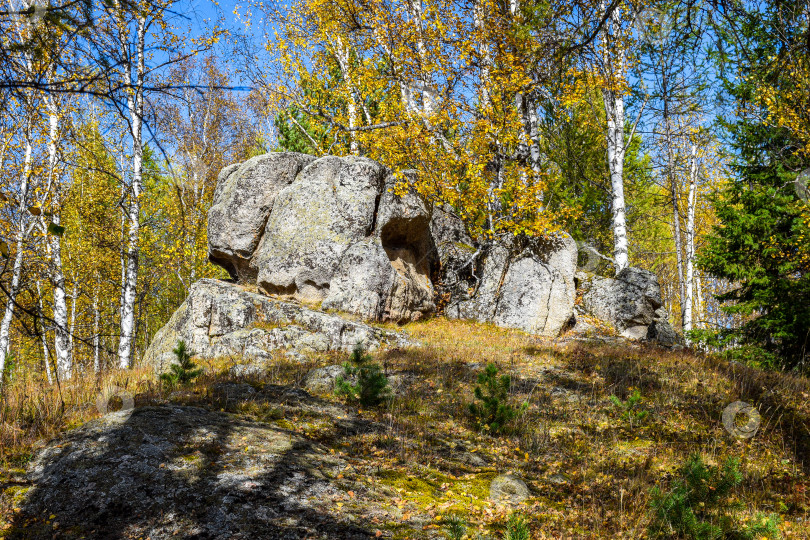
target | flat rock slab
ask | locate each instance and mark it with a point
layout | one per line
(220, 319)
(183, 472)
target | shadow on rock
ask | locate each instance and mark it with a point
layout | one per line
(178, 471)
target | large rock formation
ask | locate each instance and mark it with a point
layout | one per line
(524, 283)
(336, 234)
(631, 303)
(242, 202)
(325, 230)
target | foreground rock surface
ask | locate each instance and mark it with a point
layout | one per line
(220, 319)
(185, 472)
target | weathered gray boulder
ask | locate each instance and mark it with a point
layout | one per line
(331, 205)
(631, 302)
(242, 203)
(524, 283)
(662, 332)
(329, 229)
(221, 319)
(456, 252)
(386, 276)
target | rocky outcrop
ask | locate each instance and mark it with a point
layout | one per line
(220, 319)
(523, 283)
(244, 197)
(185, 472)
(339, 235)
(631, 302)
(330, 206)
(328, 230)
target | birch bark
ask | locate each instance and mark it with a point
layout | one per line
(614, 64)
(60, 314)
(135, 105)
(690, 241)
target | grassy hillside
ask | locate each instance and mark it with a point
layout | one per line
(590, 460)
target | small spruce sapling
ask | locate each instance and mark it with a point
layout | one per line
(494, 412)
(184, 371)
(701, 506)
(371, 388)
(455, 526)
(630, 408)
(517, 528)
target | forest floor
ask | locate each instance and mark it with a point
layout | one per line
(401, 470)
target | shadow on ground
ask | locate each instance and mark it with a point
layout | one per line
(179, 471)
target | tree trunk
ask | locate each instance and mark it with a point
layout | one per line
(60, 315)
(96, 365)
(135, 105)
(614, 65)
(46, 355)
(480, 16)
(343, 55)
(690, 242)
(16, 272)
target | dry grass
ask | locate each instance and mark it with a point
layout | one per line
(590, 471)
(33, 411)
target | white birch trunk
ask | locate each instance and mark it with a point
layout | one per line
(16, 272)
(74, 297)
(343, 56)
(60, 315)
(135, 105)
(699, 294)
(614, 66)
(479, 16)
(690, 242)
(96, 366)
(46, 355)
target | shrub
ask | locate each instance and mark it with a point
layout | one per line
(184, 371)
(630, 408)
(517, 528)
(494, 413)
(700, 506)
(371, 388)
(455, 526)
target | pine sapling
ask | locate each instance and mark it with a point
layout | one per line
(494, 412)
(517, 528)
(184, 371)
(371, 388)
(701, 506)
(631, 408)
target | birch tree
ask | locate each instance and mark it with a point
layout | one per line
(613, 66)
